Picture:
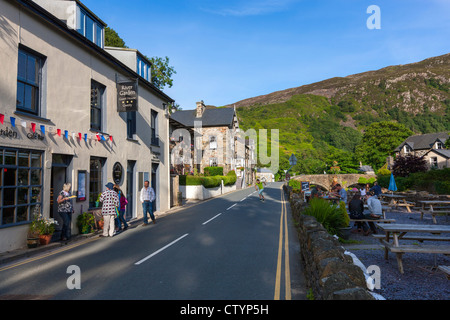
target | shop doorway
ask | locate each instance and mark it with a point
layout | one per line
(155, 185)
(130, 190)
(60, 163)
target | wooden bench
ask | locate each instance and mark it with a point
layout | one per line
(418, 238)
(433, 213)
(446, 270)
(401, 249)
(374, 220)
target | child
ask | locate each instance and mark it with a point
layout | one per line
(260, 188)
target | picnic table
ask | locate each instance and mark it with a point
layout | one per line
(397, 200)
(434, 207)
(394, 232)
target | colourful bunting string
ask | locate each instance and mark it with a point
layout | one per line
(50, 129)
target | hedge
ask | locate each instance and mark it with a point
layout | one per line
(209, 182)
(213, 171)
(434, 181)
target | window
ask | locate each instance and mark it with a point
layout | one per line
(131, 124)
(439, 145)
(154, 128)
(28, 82)
(97, 94)
(212, 143)
(433, 162)
(407, 149)
(213, 162)
(89, 27)
(95, 179)
(21, 185)
(143, 69)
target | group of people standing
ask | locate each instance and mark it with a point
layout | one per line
(114, 204)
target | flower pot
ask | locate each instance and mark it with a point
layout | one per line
(97, 204)
(32, 242)
(345, 232)
(44, 239)
(100, 224)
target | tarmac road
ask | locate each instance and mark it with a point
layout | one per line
(233, 247)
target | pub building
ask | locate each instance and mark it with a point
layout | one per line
(73, 111)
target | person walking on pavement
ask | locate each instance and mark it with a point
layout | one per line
(147, 198)
(123, 202)
(65, 210)
(260, 188)
(110, 200)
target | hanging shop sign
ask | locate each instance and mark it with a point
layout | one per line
(117, 173)
(127, 96)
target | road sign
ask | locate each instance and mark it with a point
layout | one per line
(292, 160)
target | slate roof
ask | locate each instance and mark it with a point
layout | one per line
(424, 141)
(443, 152)
(212, 117)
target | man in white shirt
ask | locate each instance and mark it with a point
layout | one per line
(147, 198)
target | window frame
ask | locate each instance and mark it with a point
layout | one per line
(31, 167)
(37, 85)
(95, 85)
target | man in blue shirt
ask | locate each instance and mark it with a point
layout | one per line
(342, 193)
(376, 189)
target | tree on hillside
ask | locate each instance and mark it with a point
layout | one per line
(161, 71)
(379, 142)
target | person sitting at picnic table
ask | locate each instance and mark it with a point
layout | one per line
(376, 189)
(342, 194)
(356, 209)
(375, 209)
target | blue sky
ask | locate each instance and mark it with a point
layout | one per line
(226, 51)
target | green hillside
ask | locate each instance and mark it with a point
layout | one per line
(324, 123)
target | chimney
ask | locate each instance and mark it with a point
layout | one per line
(200, 109)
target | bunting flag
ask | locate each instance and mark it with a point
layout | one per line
(43, 129)
(24, 123)
(79, 135)
(13, 121)
(66, 134)
(2, 118)
(110, 138)
(85, 137)
(33, 127)
(98, 137)
(103, 138)
(73, 135)
(58, 131)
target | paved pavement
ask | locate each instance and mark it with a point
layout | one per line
(230, 247)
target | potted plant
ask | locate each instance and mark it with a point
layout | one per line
(97, 202)
(344, 229)
(41, 228)
(85, 222)
(33, 232)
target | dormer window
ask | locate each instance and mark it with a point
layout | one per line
(407, 149)
(439, 145)
(144, 68)
(90, 27)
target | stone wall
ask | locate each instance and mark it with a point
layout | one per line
(329, 272)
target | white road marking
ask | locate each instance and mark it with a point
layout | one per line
(231, 206)
(163, 248)
(211, 219)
